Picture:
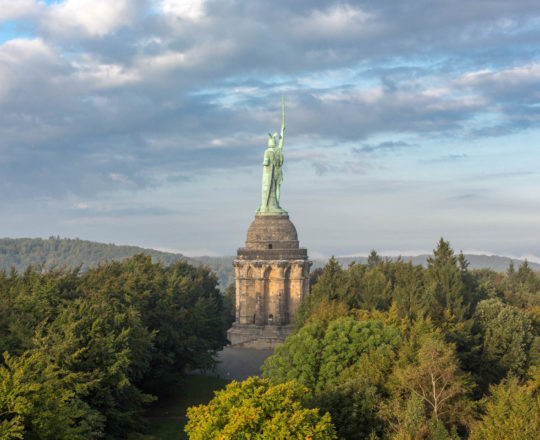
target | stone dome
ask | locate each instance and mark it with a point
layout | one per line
(272, 237)
(275, 230)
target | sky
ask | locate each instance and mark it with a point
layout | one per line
(144, 122)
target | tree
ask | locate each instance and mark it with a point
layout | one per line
(124, 329)
(511, 271)
(40, 400)
(111, 347)
(255, 409)
(507, 335)
(445, 286)
(409, 291)
(436, 379)
(229, 306)
(352, 404)
(329, 286)
(373, 258)
(318, 353)
(512, 412)
(344, 363)
(180, 304)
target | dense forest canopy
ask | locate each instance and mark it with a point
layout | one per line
(396, 351)
(82, 353)
(384, 350)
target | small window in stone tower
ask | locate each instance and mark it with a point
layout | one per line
(270, 246)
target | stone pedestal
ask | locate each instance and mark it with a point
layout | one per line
(272, 277)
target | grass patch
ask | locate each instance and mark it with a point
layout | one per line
(167, 417)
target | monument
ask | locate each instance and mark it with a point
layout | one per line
(271, 271)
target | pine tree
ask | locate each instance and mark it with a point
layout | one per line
(445, 286)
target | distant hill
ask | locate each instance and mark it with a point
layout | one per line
(60, 252)
(493, 262)
(55, 251)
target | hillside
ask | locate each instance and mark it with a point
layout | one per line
(493, 262)
(55, 251)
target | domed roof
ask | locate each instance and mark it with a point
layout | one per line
(272, 237)
(276, 230)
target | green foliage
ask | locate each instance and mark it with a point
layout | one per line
(122, 329)
(373, 259)
(254, 409)
(54, 252)
(40, 400)
(444, 286)
(341, 362)
(429, 393)
(511, 412)
(409, 291)
(229, 306)
(180, 304)
(352, 404)
(65, 252)
(110, 346)
(507, 335)
(318, 353)
(455, 325)
(329, 287)
(387, 349)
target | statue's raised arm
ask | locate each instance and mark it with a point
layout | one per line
(280, 146)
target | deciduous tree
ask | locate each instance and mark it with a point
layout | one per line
(254, 409)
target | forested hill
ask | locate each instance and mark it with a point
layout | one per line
(493, 262)
(59, 252)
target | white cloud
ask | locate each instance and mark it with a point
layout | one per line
(94, 18)
(15, 57)
(519, 74)
(340, 20)
(165, 61)
(103, 75)
(21, 49)
(187, 9)
(117, 177)
(436, 93)
(14, 9)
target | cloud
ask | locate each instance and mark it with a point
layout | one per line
(83, 210)
(383, 146)
(158, 91)
(446, 158)
(341, 21)
(186, 9)
(467, 196)
(94, 18)
(17, 9)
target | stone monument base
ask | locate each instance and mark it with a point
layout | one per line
(260, 337)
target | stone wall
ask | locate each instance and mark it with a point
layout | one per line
(272, 278)
(269, 292)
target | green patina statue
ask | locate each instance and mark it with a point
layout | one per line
(272, 174)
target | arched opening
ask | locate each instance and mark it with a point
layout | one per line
(270, 246)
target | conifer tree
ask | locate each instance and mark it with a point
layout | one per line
(445, 286)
